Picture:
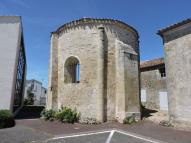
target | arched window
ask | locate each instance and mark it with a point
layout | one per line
(72, 70)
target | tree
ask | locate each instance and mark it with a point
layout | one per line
(30, 98)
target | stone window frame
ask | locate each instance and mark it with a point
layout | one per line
(72, 70)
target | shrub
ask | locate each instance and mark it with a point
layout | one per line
(68, 115)
(129, 120)
(48, 114)
(6, 119)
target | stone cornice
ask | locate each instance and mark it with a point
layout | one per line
(98, 21)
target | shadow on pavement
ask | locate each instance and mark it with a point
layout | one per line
(29, 112)
(147, 112)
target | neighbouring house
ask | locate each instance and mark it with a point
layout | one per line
(12, 63)
(153, 84)
(177, 46)
(35, 87)
(43, 96)
(94, 67)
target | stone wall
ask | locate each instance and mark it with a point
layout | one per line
(177, 43)
(10, 42)
(152, 83)
(109, 80)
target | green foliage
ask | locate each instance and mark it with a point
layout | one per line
(64, 114)
(6, 119)
(30, 98)
(129, 120)
(48, 114)
(68, 115)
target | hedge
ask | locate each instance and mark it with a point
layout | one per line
(6, 119)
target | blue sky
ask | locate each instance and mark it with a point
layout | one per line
(40, 17)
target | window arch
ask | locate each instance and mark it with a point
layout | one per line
(72, 70)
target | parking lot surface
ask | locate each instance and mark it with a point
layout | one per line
(39, 131)
(112, 136)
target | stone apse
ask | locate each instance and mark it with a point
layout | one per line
(94, 67)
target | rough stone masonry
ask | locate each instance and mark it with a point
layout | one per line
(94, 67)
(177, 45)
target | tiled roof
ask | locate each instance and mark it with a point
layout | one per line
(160, 32)
(94, 20)
(151, 63)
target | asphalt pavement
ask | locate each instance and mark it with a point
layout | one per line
(111, 136)
(37, 130)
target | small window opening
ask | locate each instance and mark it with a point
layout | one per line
(72, 70)
(162, 72)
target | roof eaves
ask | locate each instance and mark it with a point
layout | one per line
(152, 63)
(88, 20)
(173, 26)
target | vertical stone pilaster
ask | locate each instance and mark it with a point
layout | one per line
(120, 83)
(100, 81)
(52, 102)
(127, 82)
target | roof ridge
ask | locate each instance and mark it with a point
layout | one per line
(154, 59)
(151, 63)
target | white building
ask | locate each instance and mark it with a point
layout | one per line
(38, 90)
(12, 62)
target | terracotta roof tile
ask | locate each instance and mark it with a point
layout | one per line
(160, 32)
(151, 63)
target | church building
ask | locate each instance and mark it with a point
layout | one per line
(94, 67)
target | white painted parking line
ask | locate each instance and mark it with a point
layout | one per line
(110, 136)
(79, 135)
(139, 137)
